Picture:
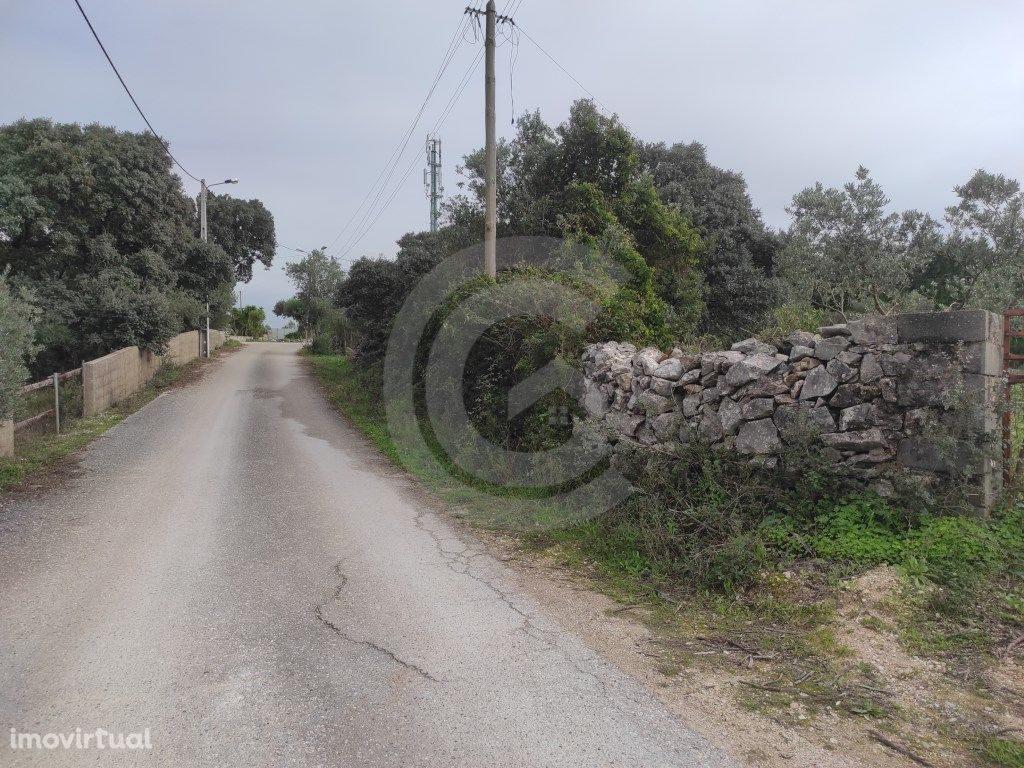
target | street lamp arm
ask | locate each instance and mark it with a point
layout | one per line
(203, 187)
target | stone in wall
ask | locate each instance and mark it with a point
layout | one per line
(862, 390)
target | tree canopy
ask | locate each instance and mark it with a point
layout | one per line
(847, 252)
(582, 181)
(249, 321)
(316, 277)
(17, 320)
(244, 229)
(739, 251)
(97, 227)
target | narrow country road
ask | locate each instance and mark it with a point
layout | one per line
(235, 570)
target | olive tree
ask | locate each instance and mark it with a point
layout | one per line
(977, 259)
(846, 253)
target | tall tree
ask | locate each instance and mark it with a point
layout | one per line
(316, 277)
(979, 257)
(244, 229)
(846, 252)
(96, 225)
(739, 251)
(584, 180)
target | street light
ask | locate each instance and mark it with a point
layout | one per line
(203, 188)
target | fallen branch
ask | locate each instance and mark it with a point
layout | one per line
(900, 749)
(873, 688)
(769, 688)
(731, 642)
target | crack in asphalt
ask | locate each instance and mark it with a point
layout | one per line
(340, 632)
(464, 558)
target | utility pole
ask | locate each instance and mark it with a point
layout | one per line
(491, 139)
(204, 188)
(432, 178)
(491, 151)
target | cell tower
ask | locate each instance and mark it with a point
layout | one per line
(432, 178)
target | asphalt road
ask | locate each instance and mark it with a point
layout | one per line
(237, 572)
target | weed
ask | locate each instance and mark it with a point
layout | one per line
(1008, 753)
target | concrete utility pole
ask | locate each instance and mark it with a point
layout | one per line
(204, 188)
(491, 151)
(491, 142)
(202, 211)
(432, 178)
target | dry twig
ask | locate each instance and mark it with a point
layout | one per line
(895, 747)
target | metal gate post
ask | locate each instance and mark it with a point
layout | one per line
(1012, 364)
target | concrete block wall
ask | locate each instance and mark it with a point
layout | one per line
(915, 392)
(113, 377)
(183, 348)
(6, 438)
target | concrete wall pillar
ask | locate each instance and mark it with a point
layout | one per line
(975, 338)
(6, 438)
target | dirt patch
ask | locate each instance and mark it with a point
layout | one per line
(706, 693)
(710, 685)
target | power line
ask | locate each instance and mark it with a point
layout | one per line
(466, 78)
(566, 71)
(400, 152)
(403, 143)
(130, 95)
(366, 224)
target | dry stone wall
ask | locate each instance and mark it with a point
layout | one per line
(913, 392)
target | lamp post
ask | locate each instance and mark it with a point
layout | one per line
(204, 234)
(203, 189)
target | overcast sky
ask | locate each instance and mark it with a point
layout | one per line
(305, 101)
